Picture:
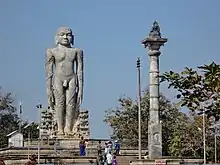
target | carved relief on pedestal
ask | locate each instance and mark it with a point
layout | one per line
(49, 129)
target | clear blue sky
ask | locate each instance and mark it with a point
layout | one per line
(109, 32)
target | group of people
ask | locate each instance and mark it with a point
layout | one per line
(108, 157)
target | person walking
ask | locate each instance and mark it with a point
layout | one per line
(117, 147)
(86, 146)
(109, 158)
(106, 151)
(99, 148)
(82, 147)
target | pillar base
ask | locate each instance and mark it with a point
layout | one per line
(155, 140)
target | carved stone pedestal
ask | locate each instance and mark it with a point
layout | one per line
(68, 142)
(81, 128)
(84, 124)
(48, 126)
(155, 138)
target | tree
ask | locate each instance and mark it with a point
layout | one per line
(6, 102)
(182, 134)
(124, 120)
(193, 137)
(8, 117)
(198, 90)
(176, 144)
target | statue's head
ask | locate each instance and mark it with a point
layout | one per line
(64, 36)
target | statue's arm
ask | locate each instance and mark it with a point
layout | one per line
(80, 72)
(49, 71)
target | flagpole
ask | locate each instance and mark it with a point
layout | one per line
(20, 115)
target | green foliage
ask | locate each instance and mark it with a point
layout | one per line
(124, 120)
(182, 134)
(198, 90)
(8, 118)
(176, 145)
(6, 103)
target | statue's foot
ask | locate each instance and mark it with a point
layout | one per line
(60, 133)
(69, 133)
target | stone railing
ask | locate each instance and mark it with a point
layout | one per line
(48, 150)
(174, 161)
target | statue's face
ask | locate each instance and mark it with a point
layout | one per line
(64, 36)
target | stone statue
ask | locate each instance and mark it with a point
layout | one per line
(155, 31)
(64, 80)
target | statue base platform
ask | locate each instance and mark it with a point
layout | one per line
(67, 142)
(19, 156)
(70, 136)
(80, 128)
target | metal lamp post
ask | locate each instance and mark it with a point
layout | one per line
(204, 132)
(139, 108)
(153, 42)
(215, 148)
(204, 137)
(29, 134)
(216, 128)
(39, 107)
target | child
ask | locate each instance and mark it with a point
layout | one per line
(114, 161)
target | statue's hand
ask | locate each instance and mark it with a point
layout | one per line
(51, 101)
(79, 98)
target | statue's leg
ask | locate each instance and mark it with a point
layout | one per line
(59, 105)
(70, 106)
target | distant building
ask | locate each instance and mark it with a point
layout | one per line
(15, 139)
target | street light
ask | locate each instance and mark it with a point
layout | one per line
(39, 107)
(139, 108)
(216, 133)
(215, 148)
(204, 132)
(204, 137)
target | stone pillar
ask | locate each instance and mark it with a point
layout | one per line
(153, 42)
